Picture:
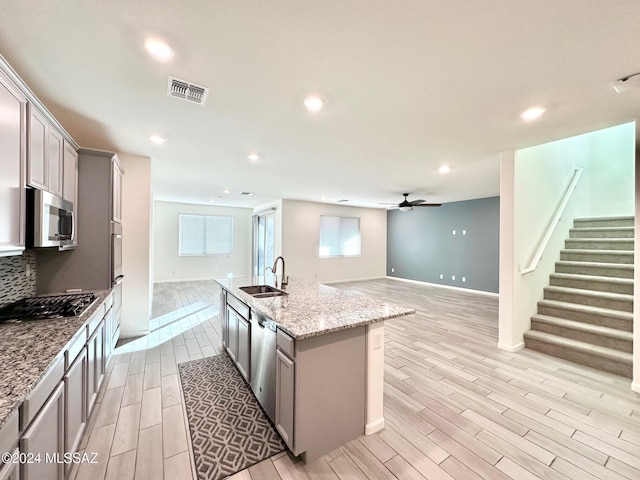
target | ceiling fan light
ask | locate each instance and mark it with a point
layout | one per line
(406, 208)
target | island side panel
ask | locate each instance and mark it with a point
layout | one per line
(330, 391)
(375, 378)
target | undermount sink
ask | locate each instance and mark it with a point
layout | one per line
(263, 291)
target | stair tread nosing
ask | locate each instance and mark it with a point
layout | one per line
(605, 312)
(599, 252)
(602, 229)
(604, 219)
(604, 352)
(593, 278)
(590, 293)
(585, 327)
(576, 263)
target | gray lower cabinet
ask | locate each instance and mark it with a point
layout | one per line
(75, 411)
(244, 347)
(285, 397)
(95, 364)
(232, 333)
(11, 471)
(45, 436)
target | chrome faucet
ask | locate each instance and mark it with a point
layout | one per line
(273, 269)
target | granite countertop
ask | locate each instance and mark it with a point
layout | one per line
(312, 309)
(28, 349)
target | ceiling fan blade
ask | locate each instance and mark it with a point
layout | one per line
(416, 202)
(387, 203)
(428, 205)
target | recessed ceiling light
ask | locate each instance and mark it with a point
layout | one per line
(254, 157)
(444, 169)
(532, 113)
(314, 103)
(159, 49)
(226, 191)
(157, 139)
(248, 194)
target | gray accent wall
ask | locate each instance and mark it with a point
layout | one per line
(421, 244)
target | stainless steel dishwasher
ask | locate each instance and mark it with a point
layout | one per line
(263, 362)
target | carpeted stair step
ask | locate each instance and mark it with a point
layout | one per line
(584, 332)
(587, 314)
(595, 356)
(599, 244)
(602, 232)
(599, 256)
(614, 301)
(617, 270)
(591, 282)
(604, 222)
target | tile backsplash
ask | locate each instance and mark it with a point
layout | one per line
(14, 284)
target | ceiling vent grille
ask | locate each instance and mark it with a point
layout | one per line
(187, 91)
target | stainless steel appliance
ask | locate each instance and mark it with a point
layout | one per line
(47, 306)
(50, 221)
(263, 363)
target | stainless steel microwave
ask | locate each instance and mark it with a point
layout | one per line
(50, 221)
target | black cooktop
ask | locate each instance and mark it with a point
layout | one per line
(50, 306)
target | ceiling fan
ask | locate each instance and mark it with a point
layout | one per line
(406, 205)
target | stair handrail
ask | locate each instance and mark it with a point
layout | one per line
(554, 223)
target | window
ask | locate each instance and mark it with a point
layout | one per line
(339, 236)
(205, 235)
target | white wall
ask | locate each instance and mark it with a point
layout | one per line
(301, 242)
(533, 182)
(136, 253)
(170, 267)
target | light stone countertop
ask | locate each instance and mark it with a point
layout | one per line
(312, 309)
(28, 349)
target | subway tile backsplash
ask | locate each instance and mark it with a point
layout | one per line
(14, 284)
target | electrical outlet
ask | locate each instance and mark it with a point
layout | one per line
(464, 232)
(441, 276)
(464, 279)
(454, 232)
(453, 277)
(27, 270)
(377, 340)
(393, 270)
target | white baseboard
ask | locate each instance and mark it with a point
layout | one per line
(178, 280)
(635, 386)
(460, 289)
(331, 282)
(375, 426)
(511, 348)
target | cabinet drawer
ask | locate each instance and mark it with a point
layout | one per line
(75, 346)
(286, 343)
(95, 320)
(9, 433)
(38, 396)
(240, 307)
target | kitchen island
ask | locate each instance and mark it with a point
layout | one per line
(328, 353)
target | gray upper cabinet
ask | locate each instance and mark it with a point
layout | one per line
(44, 154)
(116, 209)
(54, 163)
(13, 105)
(70, 182)
(38, 170)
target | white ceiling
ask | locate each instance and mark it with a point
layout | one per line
(410, 84)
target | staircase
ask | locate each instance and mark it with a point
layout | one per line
(586, 315)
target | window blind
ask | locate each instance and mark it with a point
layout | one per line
(205, 235)
(339, 236)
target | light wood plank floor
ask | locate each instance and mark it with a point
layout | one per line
(456, 407)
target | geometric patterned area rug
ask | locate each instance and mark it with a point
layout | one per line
(229, 430)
